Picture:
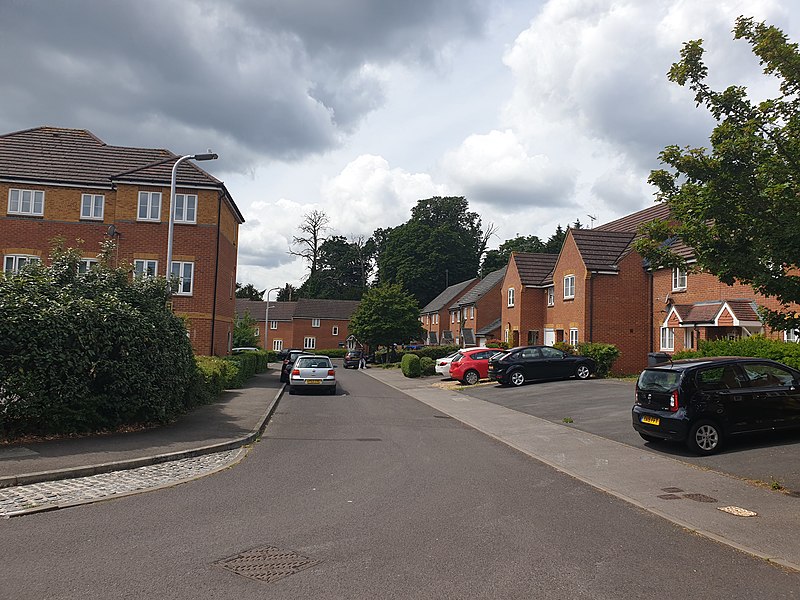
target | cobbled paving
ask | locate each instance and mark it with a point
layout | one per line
(52, 494)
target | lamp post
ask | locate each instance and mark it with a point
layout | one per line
(266, 324)
(207, 156)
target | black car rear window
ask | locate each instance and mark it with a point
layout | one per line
(654, 380)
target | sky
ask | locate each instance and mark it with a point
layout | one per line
(539, 112)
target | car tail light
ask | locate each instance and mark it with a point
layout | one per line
(331, 372)
(673, 402)
(295, 371)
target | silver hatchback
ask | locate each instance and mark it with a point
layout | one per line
(312, 372)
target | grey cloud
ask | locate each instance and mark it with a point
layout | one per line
(556, 190)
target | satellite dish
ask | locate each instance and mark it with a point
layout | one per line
(112, 230)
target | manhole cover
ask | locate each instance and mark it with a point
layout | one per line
(669, 497)
(672, 490)
(267, 564)
(699, 497)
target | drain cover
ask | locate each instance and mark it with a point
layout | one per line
(699, 497)
(267, 563)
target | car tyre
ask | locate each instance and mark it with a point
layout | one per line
(583, 372)
(471, 377)
(516, 378)
(705, 437)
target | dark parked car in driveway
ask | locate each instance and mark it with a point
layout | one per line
(528, 363)
(352, 358)
(702, 402)
(288, 357)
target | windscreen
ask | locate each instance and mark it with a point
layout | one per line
(656, 380)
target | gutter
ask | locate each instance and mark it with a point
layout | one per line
(216, 273)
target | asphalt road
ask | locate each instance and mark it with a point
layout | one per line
(603, 407)
(394, 501)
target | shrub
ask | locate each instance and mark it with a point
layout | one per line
(565, 347)
(758, 346)
(497, 344)
(332, 353)
(410, 365)
(427, 365)
(603, 354)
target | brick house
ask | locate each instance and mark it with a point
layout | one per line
(435, 316)
(523, 297)
(68, 183)
(279, 334)
(475, 315)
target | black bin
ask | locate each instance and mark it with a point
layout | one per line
(657, 358)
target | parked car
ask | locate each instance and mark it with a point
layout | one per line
(289, 356)
(312, 372)
(471, 365)
(244, 349)
(528, 363)
(352, 358)
(442, 365)
(702, 402)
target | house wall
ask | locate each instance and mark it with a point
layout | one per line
(566, 314)
(488, 308)
(325, 340)
(511, 316)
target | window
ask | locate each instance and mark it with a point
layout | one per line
(182, 278)
(505, 336)
(761, 375)
(452, 317)
(273, 324)
(548, 352)
(25, 202)
(510, 298)
(309, 343)
(688, 339)
(256, 331)
(667, 338)
(185, 208)
(551, 296)
(334, 330)
(436, 319)
(15, 262)
(86, 264)
(678, 279)
(793, 335)
(472, 312)
(149, 206)
(573, 337)
(569, 287)
(92, 206)
(315, 322)
(277, 345)
(145, 268)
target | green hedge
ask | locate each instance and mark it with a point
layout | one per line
(427, 365)
(410, 364)
(756, 346)
(603, 354)
(331, 353)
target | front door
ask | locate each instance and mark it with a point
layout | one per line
(549, 337)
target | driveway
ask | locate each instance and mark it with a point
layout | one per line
(603, 407)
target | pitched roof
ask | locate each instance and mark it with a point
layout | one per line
(315, 308)
(601, 250)
(491, 327)
(486, 285)
(632, 222)
(447, 296)
(278, 311)
(77, 157)
(707, 312)
(534, 268)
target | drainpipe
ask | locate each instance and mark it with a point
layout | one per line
(216, 273)
(591, 307)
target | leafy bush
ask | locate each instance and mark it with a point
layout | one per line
(603, 354)
(410, 365)
(757, 346)
(565, 347)
(427, 365)
(497, 344)
(332, 353)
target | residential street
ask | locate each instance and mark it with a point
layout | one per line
(394, 500)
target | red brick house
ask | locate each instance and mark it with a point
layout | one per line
(523, 297)
(475, 315)
(279, 333)
(435, 316)
(68, 183)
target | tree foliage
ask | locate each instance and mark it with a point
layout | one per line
(344, 268)
(386, 315)
(249, 292)
(287, 293)
(244, 332)
(738, 205)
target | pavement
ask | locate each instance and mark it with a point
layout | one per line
(758, 521)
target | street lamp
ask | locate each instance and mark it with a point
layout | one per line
(208, 156)
(266, 324)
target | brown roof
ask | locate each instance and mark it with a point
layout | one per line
(445, 297)
(77, 157)
(278, 311)
(706, 312)
(631, 223)
(311, 308)
(534, 269)
(601, 250)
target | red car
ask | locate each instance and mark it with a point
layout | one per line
(470, 365)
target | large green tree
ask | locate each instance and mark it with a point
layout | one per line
(386, 315)
(497, 259)
(442, 243)
(343, 270)
(738, 204)
(248, 292)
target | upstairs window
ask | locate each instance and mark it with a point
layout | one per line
(185, 208)
(182, 278)
(315, 322)
(510, 297)
(334, 330)
(145, 268)
(13, 263)
(149, 206)
(92, 206)
(678, 279)
(551, 296)
(25, 202)
(273, 324)
(569, 287)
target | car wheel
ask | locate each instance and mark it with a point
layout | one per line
(705, 437)
(516, 378)
(649, 438)
(582, 372)
(471, 377)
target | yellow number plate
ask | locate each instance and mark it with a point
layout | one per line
(313, 381)
(651, 420)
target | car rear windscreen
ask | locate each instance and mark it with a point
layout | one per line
(654, 380)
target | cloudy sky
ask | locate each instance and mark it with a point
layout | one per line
(538, 112)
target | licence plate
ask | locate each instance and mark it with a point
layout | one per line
(650, 420)
(313, 381)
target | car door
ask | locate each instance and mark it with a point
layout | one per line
(722, 392)
(775, 395)
(530, 359)
(555, 362)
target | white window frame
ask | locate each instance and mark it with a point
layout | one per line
(17, 200)
(315, 322)
(471, 313)
(86, 264)
(452, 317)
(436, 319)
(688, 341)
(18, 261)
(335, 330)
(144, 271)
(257, 332)
(573, 336)
(551, 296)
(95, 202)
(149, 199)
(510, 297)
(667, 338)
(182, 288)
(569, 287)
(679, 279)
(505, 335)
(792, 336)
(186, 208)
(309, 343)
(273, 324)
(277, 345)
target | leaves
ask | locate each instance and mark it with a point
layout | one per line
(386, 315)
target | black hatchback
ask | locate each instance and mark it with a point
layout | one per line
(702, 402)
(528, 363)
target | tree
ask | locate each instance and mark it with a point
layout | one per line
(386, 315)
(287, 293)
(244, 332)
(555, 241)
(738, 205)
(248, 292)
(497, 259)
(343, 269)
(312, 230)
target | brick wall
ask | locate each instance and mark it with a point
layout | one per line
(511, 316)
(325, 340)
(568, 313)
